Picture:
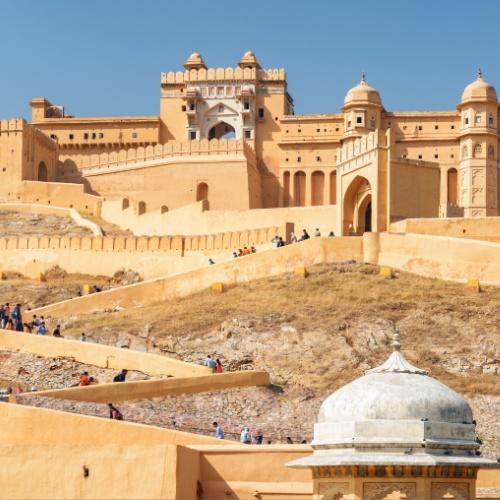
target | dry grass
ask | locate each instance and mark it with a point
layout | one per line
(445, 329)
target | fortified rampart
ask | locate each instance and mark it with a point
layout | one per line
(259, 265)
(151, 256)
(174, 151)
(480, 228)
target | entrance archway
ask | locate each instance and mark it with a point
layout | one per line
(222, 131)
(357, 217)
(42, 172)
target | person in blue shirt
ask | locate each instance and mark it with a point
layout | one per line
(219, 433)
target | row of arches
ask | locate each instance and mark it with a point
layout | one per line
(322, 188)
(201, 195)
(477, 151)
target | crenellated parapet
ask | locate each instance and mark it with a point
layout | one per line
(194, 149)
(222, 74)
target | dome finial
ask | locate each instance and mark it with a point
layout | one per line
(396, 344)
(479, 74)
(363, 77)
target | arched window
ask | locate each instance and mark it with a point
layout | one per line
(452, 184)
(42, 172)
(476, 152)
(478, 119)
(317, 187)
(141, 209)
(202, 191)
(465, 152)
(125, 203)
(163, 209)
(491, 120)
(491, 152)
(299, 189)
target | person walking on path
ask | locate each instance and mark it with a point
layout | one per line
(219, 433)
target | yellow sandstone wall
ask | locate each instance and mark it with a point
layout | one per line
(443, 257)
(250, 267)
(147, 389)
(477, 228)
(99, 355)
(196, 219)
(150, 256)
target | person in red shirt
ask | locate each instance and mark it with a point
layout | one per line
(218, 366)
(84, 379)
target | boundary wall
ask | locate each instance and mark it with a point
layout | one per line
(103, 255)
(195, 219)
(73, 214)
(259, 265)
(147, 389)
(443, 257)
(100, 355)
(129, 461)
(173, 151)
(61, 194)
(480, 228)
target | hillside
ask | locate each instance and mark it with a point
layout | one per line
(313, 335)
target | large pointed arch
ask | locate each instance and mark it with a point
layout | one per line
(357, 215)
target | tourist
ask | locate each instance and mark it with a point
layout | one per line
(16, 312)
(120, 377)
(246, 251)
(240, 252)
(1, 315)
(245, 436)
(253, 249)
(257, 436)
(280, 243)
(211, 261)
(57, 331)
(10, 325)
(19, 325)
(293, 237)
(6, 315)
(219, 433)
(218, 366)
(114, 413)
(210, 363)
(331, 234)
(317, 232)
(235, 255)
(42, 329)
(84, 379)
(289, 440)
(28, 328)
(275, 240)
(83, 337)
(305, 235)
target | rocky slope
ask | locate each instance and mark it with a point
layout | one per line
(313, 335)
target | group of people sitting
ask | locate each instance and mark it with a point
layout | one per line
(244, 251)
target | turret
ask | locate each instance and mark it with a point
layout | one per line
(478, 191)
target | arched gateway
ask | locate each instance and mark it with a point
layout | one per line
(357, 207)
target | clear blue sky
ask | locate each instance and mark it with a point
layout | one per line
(104, 57)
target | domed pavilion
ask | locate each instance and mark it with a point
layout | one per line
(395, 433)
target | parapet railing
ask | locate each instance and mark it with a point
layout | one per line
(176, 244)
(193, 148)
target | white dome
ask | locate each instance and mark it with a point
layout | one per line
(395, 396)
(395, 404)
